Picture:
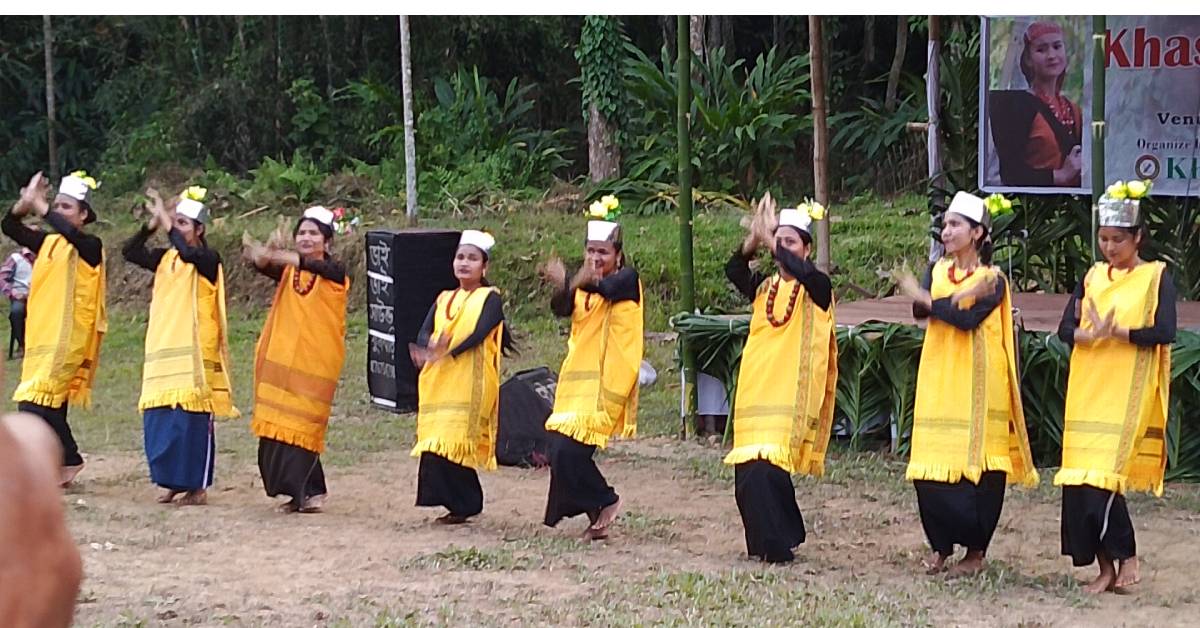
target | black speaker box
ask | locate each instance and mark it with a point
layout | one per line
(406, 270)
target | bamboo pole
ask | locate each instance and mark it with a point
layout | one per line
(1099, 28)
(687, 291)
(816, 40)
(933, 147)
(51, 117)
(410, 144)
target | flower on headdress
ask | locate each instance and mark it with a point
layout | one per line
(82, 175)
(195, 193)
(815, 210)
(607, 208)
(998, 205)
(1117, 190)
(344, 220)
(1138, 189)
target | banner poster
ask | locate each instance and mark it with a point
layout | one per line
(1035, 129)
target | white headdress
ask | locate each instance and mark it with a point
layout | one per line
(1120, 205)
(970, 206)
(78, 185)
(320, 214)
(190, 204)
(602, 228)
(478, 239)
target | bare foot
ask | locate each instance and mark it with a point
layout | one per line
(450, 519)
(194, 498)
(167, 496)
(934, 564)
(313, 504)
(593, 534)
(69, 474)
(1128, 575)
(287, 507)
(970, 565)
(607, 515)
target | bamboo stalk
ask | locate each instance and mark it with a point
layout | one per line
(1099, 26)
(816, 40)
(686, 271)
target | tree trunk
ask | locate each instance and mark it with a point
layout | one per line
(868, 42)
(893, 84)
(933, 146)
(410, 145)
(51, 117)
(667, 23)
(696, 43)
(328, 55)
(240, 21)
(816, 51)
(604, 155)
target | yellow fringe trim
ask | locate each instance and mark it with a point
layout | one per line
(455, 451)
(630, 431)
(40, 392)
(581, 427)
(775, 454)
(1106, 480)
(814, 467)
(274, 432)
(950, 475)
(81, 398)
(191, 400)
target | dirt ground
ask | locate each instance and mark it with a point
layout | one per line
(676, 556)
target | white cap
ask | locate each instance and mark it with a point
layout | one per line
(76, 188)
(969, 205)
(792, 217)
(601, 230)
(1113, 212)
(320, 214)
(193, 209)
(478, 239)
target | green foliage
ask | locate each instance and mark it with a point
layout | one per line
(600, 54)
(311, 124)
(745, 120)
(297, 181)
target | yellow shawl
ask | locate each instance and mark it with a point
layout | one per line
(597, 392)
(187, 352)
(968, 417)
(67, 321)
(1117, 392)
(459, 397)
(786, 385)
(298, 360)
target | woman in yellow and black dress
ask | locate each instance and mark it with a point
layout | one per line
(1120, 322)
(298, 359)
(597, 392)
(66, 312)
(969, 437)
(787, 381)
(185, 381)
(458, 351)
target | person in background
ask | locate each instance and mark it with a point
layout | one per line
(15, 276)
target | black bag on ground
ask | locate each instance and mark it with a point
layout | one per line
(526, 401)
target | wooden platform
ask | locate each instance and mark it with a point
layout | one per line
(1037, 312)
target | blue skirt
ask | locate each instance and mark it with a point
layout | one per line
(180, 448)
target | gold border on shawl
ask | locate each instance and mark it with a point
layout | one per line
(1126, 452)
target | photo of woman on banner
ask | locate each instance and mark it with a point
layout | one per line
(1037, 132)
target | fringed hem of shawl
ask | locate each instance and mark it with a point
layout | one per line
(813, 466)
(36, 392)
(581, 427)
(459, 453)
(950, 475)
(81, 398)
(775, 454)
(628, 431)
(225, 410)
(263, 429)
(1106, 480)
(191, 400)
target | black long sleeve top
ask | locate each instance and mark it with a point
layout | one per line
(965, 319)
(619, 286)
(815, 282)
(327, 268)
(90, 248)
(491, 316)
(206, 260)
(1161, 333)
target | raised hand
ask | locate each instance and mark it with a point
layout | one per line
(554, 272)
(33, 197)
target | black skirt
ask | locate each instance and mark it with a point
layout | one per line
(961, 513)
(56, 418)
(290, 470)
(766, 500)
(576, 485)
(1095, 520)
(441, 482)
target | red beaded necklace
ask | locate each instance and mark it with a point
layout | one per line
(1062, 109)
(296, 283)
(791, 308)
(450, 302)
(954, 276)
